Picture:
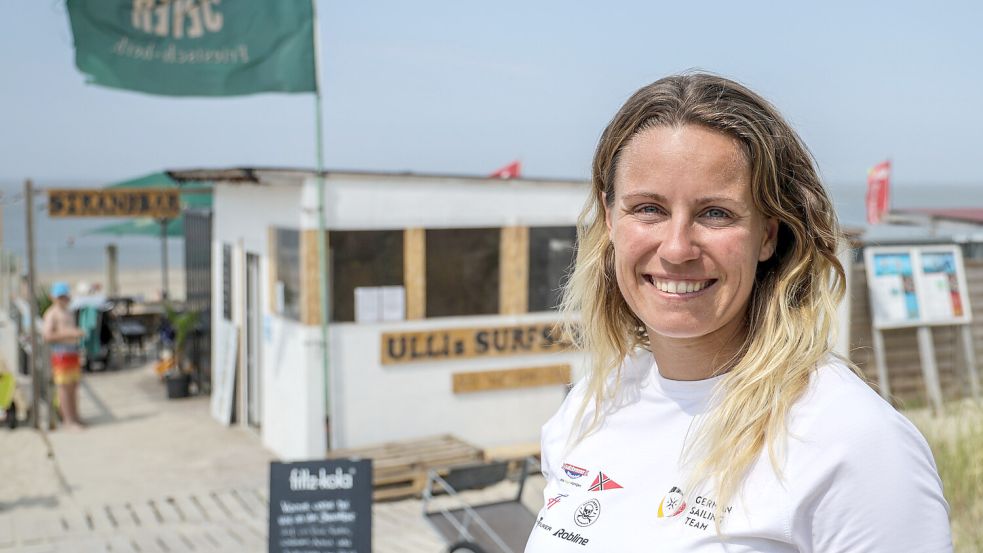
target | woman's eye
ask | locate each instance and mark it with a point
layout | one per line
(648, 210)
(716, 213)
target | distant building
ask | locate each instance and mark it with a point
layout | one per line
(442, 299)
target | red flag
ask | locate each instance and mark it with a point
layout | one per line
(878, 191)
(510, 171)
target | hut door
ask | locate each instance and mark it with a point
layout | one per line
(252, 343)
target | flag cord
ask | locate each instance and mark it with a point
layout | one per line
(322, 246)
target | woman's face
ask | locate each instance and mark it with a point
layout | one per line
(687, 237)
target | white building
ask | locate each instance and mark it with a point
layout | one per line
(441, 290)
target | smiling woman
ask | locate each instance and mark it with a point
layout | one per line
(687, 240)
(714, 416)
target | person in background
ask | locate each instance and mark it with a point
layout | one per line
(62, 336)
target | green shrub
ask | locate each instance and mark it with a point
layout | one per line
(957, 444)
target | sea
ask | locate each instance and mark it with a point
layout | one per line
(68, 245)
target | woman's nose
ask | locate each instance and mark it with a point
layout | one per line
(677, 244)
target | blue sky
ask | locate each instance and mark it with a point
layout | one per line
(465, 87)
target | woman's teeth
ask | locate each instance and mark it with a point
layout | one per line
(681, 286)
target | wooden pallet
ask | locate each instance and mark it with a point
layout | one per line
(399, 469)
(514, 454)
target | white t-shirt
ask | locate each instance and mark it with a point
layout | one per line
(858, 476)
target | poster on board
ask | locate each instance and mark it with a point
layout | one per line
(941, 290)
(916, 286)
(893, 288)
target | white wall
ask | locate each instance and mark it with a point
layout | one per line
(293, 390)
(356, 202)
(375, 403)
(292, 396)
(245, 212)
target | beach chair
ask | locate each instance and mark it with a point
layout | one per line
(490, 527)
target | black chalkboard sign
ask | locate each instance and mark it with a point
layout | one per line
(321, 507)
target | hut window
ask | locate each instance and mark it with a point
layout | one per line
(551, 252)
(287, 282)
(462, 271)
(362, 258)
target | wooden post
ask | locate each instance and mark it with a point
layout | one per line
(969, 355)
(36, 377)
(112, 270)
(513, 280)
(163, 257)
(4, 281)
(883, 381)
(926, 350)
(310, 277)
(415, 272)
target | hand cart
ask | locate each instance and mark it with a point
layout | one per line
(495, 527)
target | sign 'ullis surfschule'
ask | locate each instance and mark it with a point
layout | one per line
(196, 47)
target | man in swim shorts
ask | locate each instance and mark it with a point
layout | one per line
(63, 335)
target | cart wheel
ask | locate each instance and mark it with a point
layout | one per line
(465, 547)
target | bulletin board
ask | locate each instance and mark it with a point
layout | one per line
(914, 286)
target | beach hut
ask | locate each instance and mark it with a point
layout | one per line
(442, 295)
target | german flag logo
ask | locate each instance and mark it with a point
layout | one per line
(603, 482)
(672, 504)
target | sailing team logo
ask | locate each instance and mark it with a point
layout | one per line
(603, 482)
(573, 471)
(587, 513)
(554, 500)
(672, 504)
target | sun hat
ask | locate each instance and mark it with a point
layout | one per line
(60, 289)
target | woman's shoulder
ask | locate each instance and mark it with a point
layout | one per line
(837, 394)
(856, 467)
(836, 390)
(625, 379)
(840, 413)
(579, 404)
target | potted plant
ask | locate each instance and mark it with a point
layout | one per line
(178, 372)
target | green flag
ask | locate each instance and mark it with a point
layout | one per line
(196, 47)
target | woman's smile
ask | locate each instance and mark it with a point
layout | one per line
(682, 288)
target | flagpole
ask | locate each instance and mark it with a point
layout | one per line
(322, 246)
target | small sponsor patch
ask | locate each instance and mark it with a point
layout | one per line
(587, 513)
(573, 471)
(572, 537)
(603, 482)
(554, 500)
(672, 504)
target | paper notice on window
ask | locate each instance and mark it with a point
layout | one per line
(393, 303)
(368, 304)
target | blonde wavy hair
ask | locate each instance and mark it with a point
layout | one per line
(790, 318)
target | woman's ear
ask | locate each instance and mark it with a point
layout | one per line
(769, 241)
